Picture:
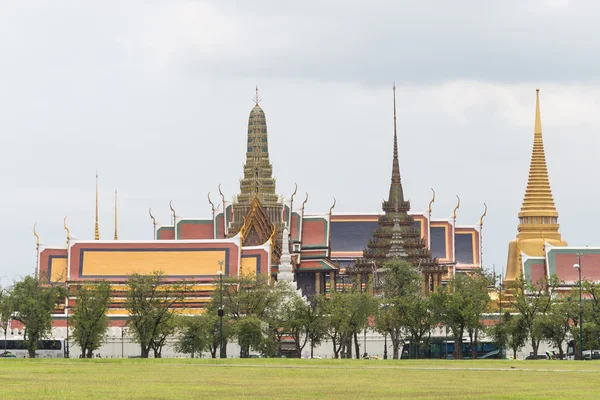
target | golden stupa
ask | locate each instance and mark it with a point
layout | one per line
(538, 219)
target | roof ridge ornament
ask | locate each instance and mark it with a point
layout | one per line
(431, 202)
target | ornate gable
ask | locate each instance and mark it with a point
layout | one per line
(257, 229)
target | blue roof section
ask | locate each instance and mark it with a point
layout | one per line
(438, 241)
(464, 248)
(352, 235)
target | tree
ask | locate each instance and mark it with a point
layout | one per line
(347, 313)
(250, 335)
(194, 336)
(516, 333)
(150, 301)
(6, 310)
(89, 320)
(405, 310)
(555, 326)
(510, 333)
(249, 296)
(532, 301)
(34, 304)
(460, 306)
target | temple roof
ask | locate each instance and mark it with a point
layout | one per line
(538, 201)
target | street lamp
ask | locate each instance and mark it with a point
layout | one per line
(385, 346)
(578, 266)
(67, 341)
(220, 273)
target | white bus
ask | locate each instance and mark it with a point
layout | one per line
(48, 348)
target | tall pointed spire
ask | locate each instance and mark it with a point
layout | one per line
(396, 193)
(96, 228)
(116, 235)
(538, 204)
(258, 178)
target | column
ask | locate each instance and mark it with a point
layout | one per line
(317, 283)
(332, 281)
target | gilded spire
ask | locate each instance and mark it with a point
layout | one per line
(538, 204)
(396, 192)
(257, 98)
(96, 228)
(116, 235)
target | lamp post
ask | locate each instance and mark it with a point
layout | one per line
(220, 273)
(578, 266)
(67, 341)
(385, 346)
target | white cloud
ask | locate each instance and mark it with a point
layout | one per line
(155, 96)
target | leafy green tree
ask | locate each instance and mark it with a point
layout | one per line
(460, 306)
(387, 321)
(250, 335)
(517, 333)
(510, 332)
(149, 301)
(347, 314)
(34, 304)
(405, 311)
(555, 325)
(6, 310)
(89, 320)
(499, 332)
(532, 301)
(250, 296)
(316, 328)
(194, 334)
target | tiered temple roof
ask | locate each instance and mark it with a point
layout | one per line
(396, 234)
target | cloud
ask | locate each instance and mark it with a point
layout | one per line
(155, 96)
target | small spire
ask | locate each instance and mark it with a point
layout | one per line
(396, 192)
(396, 165)
(96, 228)
(257, 98)
(116, 235)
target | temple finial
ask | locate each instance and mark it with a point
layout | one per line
(538, 119)
(257, 98)
(67, 231)
(396, 166)
(116, 235)
(96, 228)
(37, 237)
(431, 202)
(456, 208)
(396, 193)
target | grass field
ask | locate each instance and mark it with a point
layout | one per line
(112, 379)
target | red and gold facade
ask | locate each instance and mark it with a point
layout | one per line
(244, 236)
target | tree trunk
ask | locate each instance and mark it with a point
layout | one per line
(312, 348)
(514, 353)
(336, 350)
(356, 346)
(474, 345)
(31, 353)
(535, 346)
(145, 351)
(213, 351)
(89, 353)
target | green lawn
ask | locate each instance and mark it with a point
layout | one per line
(112, 379)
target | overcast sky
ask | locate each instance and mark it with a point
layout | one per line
(155, 95)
